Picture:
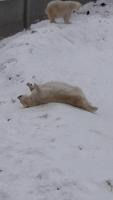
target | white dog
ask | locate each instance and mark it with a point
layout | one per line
(56, 92)
(64, 9)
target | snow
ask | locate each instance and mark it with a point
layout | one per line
(56, 151)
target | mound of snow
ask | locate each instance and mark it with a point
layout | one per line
(56, 151)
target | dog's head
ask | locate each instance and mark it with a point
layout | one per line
(24, 100)
(76, 6)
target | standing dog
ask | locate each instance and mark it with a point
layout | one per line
(64, 9)
(56, 92)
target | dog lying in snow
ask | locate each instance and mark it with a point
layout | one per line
(56, 92)
(64, 9)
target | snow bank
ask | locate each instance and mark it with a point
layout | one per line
(56, 151)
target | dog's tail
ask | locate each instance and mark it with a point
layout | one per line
(91, 108)
(83, 103)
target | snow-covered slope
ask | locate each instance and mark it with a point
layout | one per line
(56, 151)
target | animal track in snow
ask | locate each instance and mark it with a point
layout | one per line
(7, 63)
(4, 195)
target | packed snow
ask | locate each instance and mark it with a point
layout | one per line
(56, 151)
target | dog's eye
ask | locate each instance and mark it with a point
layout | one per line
(19, 96)
(29, 84)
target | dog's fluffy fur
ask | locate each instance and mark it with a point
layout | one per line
(64, 9)
(56, 92)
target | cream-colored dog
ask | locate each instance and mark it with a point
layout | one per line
(61, 9)
(56, 92)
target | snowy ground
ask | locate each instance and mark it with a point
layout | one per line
(55, 151)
